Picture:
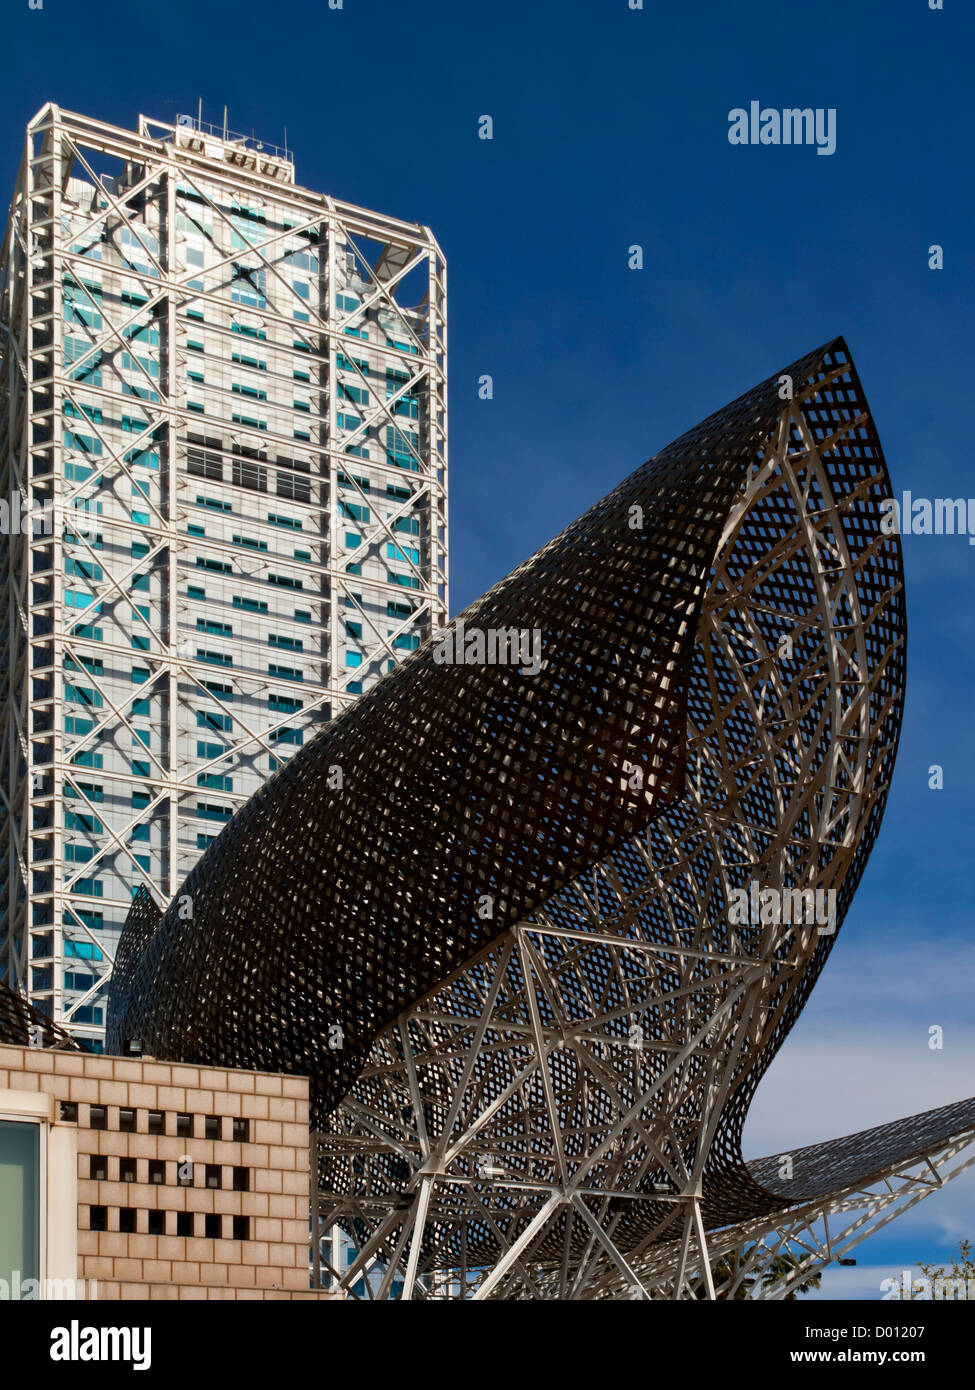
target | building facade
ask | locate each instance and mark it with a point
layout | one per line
(223, 487)
(128, 1178)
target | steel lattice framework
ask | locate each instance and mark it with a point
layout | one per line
(513, 909)
(209, 375)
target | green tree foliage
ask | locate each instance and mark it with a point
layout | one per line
(962, 1268)
(766, 1274)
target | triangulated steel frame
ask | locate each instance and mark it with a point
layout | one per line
(547, 922)
(812, 1234)
(45, 241)
(430, 1064)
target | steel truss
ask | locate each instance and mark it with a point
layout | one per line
(69, 221)
(527, 1051)
(553, 1121)
(821, 1232)
(812, 1233)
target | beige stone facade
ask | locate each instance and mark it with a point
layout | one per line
(192, 1182)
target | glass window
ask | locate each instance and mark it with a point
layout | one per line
(20, 1217)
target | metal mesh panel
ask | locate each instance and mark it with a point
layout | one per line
(319, 907)
(743, 649)
(21, 1025)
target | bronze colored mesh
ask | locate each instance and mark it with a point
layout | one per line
(323, 905)
(787, 763)
(856, 1159)
(21, 1025)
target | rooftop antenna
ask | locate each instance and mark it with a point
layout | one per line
(286, 139)
(199, 114)
(225, 122)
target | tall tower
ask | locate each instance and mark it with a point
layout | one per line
(223, 487)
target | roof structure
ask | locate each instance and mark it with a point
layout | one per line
(860, 1158)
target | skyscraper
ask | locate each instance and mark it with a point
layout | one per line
(223, 488)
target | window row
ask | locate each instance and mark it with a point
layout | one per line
(214, 1126)
(156, 1170)
(209, 1225)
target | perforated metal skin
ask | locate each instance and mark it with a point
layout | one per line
(21, 1025)
(663, 613)
(840, 1163)
(315, 907)
(793, 703)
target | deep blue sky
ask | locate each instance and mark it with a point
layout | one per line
(611, 129)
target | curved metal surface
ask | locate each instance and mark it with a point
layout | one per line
(858, 1158)
(320, 906)
(485, 880)
(21, 1025)
(794, 701)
